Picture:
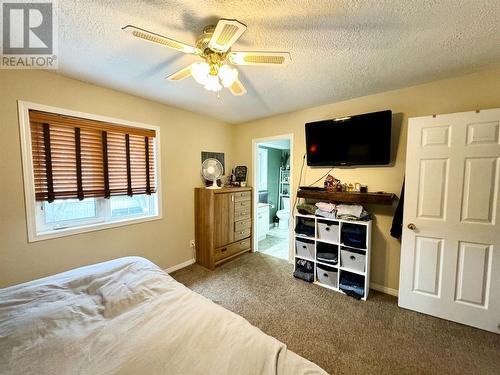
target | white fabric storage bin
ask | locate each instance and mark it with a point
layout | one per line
(304, 248)
(328, 231)
(327, 275)
(352, 260)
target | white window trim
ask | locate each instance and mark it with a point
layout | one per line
(29, 184)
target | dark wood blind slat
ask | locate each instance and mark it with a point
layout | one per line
(129, 172)
(48, 162)
(78, 153)
(73, 122)
(146, 152)
(104, 134)
(72, 161)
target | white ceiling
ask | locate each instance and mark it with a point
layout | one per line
(340, 49)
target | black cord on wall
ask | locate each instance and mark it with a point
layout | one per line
(322, 177)
(300, 181)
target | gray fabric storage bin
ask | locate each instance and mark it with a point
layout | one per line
(327, 275)
(328, 231)
(353, 260)
(304, 248)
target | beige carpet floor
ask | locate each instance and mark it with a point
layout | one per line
(340, 334)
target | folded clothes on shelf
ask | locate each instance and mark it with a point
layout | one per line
(352, 285)
(354, 210)
(306, 209)
(325, 214)
(325, 206)
(332, 211)
(305, 227)
(365, 216)
(327, 257)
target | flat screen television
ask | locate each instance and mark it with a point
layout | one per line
(354, 140)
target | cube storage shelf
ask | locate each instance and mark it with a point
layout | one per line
(353, 260)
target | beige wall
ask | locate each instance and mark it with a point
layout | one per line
(166, 242)
(184, 136)
(476, 91)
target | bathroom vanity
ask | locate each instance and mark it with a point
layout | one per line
(262, 220)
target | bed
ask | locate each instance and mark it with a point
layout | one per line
(127, 316)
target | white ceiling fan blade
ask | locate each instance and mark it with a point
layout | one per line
(161, 40)
(180, 74)
(259, 58)
(237, 88)
(225, 34)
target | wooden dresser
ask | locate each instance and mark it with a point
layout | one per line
(223, 224)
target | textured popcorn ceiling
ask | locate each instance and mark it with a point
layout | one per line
(340, 49)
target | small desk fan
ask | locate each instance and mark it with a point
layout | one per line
(211, 170)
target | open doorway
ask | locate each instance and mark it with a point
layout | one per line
(272, 175)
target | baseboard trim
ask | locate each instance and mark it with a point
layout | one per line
(180, 265)
(377, 287)
(384, 289)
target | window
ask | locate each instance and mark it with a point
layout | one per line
(85, 172)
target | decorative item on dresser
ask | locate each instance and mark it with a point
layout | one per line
(223, 224)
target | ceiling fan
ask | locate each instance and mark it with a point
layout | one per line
(214, 47)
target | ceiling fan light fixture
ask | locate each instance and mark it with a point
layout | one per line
(227, 75)
(214, 47)
(212, 83)
(200, 72)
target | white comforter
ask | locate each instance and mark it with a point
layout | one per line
(127, 316)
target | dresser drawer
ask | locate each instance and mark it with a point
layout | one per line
(243, 233)
(238, 205)
(242, 224)
(234, 248)
(242, 196)
(242, 214)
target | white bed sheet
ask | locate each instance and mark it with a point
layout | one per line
(127, 316)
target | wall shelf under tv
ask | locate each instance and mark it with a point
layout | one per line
(348, 197)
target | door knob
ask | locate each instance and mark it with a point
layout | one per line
(412, 226)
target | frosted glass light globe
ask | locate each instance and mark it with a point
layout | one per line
(212, 83)
(227, 75)
(200, 72)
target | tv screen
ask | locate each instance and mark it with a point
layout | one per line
(355, 140)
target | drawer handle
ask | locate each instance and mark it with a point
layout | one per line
(325, 275)
(352, 257)
(327, 229)
(222, 250)
(242, 232)
(304, 246)
(243, 243)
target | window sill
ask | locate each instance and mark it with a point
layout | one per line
(91, 228)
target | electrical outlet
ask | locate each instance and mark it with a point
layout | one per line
(191, 244)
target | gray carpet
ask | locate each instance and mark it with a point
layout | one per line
(340, 334)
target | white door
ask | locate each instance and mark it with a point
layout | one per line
(450, 254)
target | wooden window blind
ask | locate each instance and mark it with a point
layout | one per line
(81, 158)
